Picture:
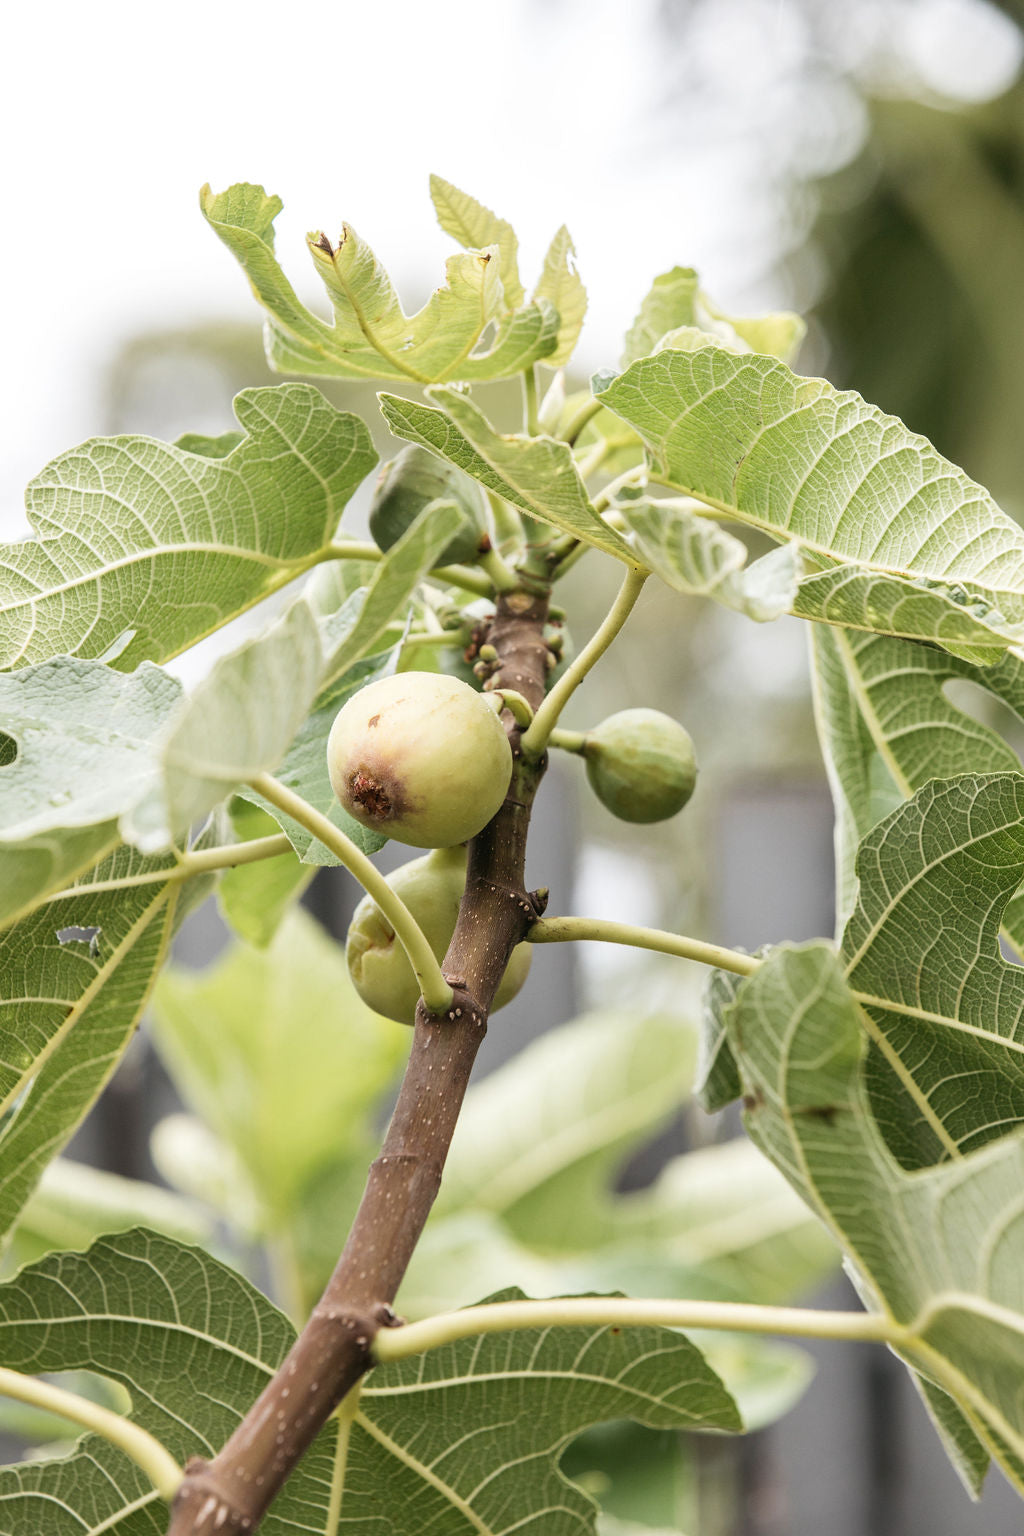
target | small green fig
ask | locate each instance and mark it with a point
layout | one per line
(641, 765)
(420, 757)
(408, 484)
(431, 888)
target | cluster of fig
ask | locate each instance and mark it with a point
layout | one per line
(423, 758)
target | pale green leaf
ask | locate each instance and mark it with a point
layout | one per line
(536, 474)
(720, 1223)
(73, 1204)
(202, 1167)
(465, 1438)
(692, 554)
(209, 447)
(943, 1009)
(778, 334)
(670, 303)
(277, 1052)
(807, 463)
(243, 217)
(141, 548)
(474, 227)
(675, 305)
(371, 336)
(717, 1081)
(962, 1445)
(68, 1009)
(398, 575)
(239, 721)
(887, 727)
(254, 897)
(796, 1031)
(561, 284)
(856, 598)
(86, 753)
(543, 1160)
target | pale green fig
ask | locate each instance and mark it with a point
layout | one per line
(641, 765)
(420, 757)
(411, 482)
(431, 888)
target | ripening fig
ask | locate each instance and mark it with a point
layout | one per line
(641, 765)
(431, 888)
(408, 484)
(420, 757)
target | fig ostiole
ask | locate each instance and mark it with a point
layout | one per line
(420, 757)
(641, 765)
(410, 482)
(431, 887)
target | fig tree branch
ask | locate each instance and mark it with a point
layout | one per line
(230, 1494)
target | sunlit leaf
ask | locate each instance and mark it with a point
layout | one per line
(561, 284)
(464, 331)
(254, 897)
(692, 554)
(277, 1052)
(474, 227)
(670, 302)
(86, 740)
(239, 721)
(847, 484)
(536, 474)
(141, 548)
(73, 1204)
(542, 1160)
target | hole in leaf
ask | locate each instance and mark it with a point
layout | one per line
(8, 750)
(78, 935)
(979, 704)
(118, 645)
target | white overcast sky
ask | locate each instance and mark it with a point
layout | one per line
(113, 115)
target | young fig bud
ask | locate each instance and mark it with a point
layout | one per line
(420, 757)
(408, 484)
(641, 765)
(431, 888)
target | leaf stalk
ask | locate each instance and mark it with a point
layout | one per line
(535, 739)
(625, 1312)
(147, 1452)
(435, 991)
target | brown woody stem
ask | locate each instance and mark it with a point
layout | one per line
(231, 1493)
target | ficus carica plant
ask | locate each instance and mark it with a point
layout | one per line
(412, 686)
